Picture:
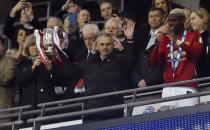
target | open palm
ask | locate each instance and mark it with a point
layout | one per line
(129, 30)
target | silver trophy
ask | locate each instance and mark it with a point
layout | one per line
(48, 41)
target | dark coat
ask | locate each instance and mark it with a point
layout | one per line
(11, 31)
(203, 63)
(142, 37)
(34, 87)
(104, 76)
(7, 72)
(143, 70)
(76, 49)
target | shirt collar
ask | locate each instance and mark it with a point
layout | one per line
(153, 32)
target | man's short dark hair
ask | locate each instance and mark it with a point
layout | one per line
(157, 9)
(168, 4)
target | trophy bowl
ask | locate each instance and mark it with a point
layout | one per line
(48, 41)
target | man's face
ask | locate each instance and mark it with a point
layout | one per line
(2, 48)
(155, 19)
(112, 28)
(175, 23)
(105, 45)
(106, 10)
(52, 22)
(83, 18)
(89, 39)
(161, 4)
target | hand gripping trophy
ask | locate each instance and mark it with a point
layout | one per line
(50, 42)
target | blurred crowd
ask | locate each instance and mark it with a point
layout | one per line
(120, 54)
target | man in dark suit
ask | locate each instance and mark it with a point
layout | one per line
(143, 74)
(90, 33)
(84, 51)
(105, 71)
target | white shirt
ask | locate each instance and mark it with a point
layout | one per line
(152, 38)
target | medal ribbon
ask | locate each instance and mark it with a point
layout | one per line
(175, 60)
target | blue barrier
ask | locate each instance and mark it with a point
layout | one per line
(198, 121)
(189, 118)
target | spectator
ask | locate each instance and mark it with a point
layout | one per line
(144, 75)
(7, 72)
(180, 51)
(105, 71)
(113, 26)
(165, 5)
(33, 78)
(17, 52)
(83, 18)
(54, 21)
(122, 38)
(27, 22)
(64, 82)
(106, 9)
(90, 33)
(70, 6)
(199, 20)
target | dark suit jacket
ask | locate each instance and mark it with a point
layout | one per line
(143, 70)
(103, 76)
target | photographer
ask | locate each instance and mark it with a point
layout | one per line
(24, 13)
(71, 6)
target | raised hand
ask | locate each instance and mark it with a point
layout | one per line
(48, 64)
(129, 30)
(65, 6)
(29, 11)
(19, 6)
(142, 83)
(37, 62)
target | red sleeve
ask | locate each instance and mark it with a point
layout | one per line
(157, 51)
(194, 45)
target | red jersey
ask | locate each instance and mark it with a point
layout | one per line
(188, 52)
